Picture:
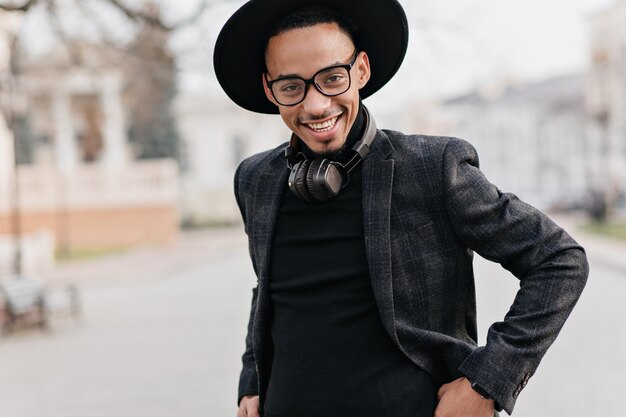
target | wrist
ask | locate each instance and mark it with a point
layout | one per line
(480, 390)
(246, 397)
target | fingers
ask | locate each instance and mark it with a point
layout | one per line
(442, 390)
(457, 399)
(249, 406)
(245, 410)
(253, 411)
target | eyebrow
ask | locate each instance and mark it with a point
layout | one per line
(299, 76)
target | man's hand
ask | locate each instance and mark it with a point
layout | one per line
(248, 406)
(458, 399)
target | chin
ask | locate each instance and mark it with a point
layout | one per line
(331, 151)
(328, 149)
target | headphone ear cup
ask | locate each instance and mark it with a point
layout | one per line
(312, 180)
(297, 181)
(320, 172)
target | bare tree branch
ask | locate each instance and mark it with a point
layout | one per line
(104, 32)
(57, 28)
(23, 8)
(155, 20)
(138, 15)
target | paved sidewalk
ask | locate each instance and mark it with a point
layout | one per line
(164, 327)
(161, 336)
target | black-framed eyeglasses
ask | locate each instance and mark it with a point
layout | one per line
(330, 81)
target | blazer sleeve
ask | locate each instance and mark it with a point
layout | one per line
(551, 266)
(248, 379)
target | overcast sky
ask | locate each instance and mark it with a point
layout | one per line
(454, 44)
(490, 39)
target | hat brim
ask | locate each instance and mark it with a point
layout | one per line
(239, 60)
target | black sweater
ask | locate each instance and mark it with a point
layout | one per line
(332, 356)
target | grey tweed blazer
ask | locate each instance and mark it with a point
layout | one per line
(426, 208)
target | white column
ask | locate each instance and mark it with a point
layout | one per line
(64, 140)
(114, 135)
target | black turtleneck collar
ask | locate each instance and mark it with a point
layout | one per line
(344, 154)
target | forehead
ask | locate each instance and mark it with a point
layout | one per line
(306, 50)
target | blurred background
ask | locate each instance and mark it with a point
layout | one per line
(117, 153)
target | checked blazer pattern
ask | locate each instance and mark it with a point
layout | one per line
(427, 208)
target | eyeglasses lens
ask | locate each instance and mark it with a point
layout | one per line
(330, 82)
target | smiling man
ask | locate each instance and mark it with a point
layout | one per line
(362, 239)
(323, 119)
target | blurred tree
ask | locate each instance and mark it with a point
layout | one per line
(150, 68)
(144, 15)
(150, 92)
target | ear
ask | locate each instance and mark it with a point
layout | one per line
(363, 69)
(268, 92)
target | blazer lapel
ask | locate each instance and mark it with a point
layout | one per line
(269, 190)
(377, 191)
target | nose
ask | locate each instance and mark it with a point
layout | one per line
(315, 103)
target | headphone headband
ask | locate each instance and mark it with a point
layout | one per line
(362, 147)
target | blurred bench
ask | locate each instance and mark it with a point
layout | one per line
(25, 300)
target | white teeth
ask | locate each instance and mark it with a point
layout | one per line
(323, 127)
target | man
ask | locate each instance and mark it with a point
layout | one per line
(362, 239)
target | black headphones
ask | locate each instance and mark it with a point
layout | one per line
(322, 179)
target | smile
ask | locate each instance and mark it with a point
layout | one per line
(324, 126)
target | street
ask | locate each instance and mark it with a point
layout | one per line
(163, 329)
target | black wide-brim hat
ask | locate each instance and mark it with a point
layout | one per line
(238, 58)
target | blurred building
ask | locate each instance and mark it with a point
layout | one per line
(606, 100)
(531, 137)
(218, 135)
(78, 176)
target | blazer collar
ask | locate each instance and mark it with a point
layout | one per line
(270, 187)
(378, 169)
(380, 149)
